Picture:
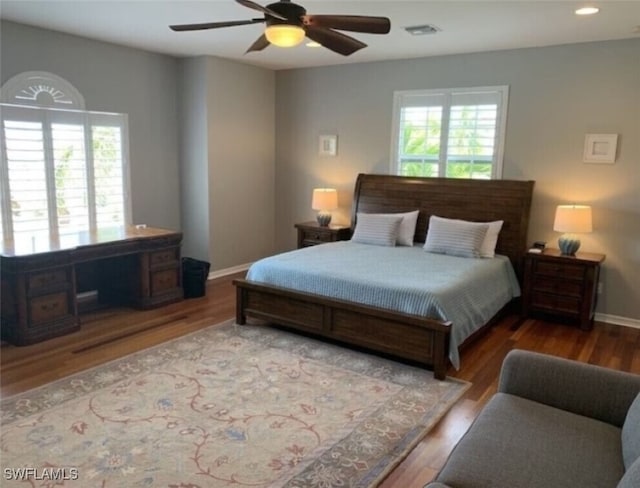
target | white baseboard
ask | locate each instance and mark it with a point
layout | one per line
(617, 320)
(228, 271)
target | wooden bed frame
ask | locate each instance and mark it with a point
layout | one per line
(416, 338)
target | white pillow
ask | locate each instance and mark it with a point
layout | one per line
(407, 227)
(376, 229)
(488, 248)
(455, 237)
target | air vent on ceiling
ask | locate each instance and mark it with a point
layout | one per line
(421, 30)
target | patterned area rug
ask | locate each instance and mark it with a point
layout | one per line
(226, 406)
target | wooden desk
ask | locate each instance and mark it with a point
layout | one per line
(41, 278)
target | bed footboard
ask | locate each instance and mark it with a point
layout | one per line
(411, 337)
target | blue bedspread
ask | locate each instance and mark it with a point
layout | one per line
(466, 291)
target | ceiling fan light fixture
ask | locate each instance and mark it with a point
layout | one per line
(587, 11)
(283, 35)
(421, 30)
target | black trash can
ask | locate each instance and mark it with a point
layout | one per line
(194, 277)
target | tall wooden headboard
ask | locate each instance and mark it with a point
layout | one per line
(454, 198)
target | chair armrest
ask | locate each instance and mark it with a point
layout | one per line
(593, 391)
(436, 484)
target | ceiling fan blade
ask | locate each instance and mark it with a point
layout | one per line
(213, 25)
(260, 8)
(353, 23)
(335, 41)
(259, 45)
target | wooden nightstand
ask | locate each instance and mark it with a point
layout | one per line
(564, 286)
(311, 233)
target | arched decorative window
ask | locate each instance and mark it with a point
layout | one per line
(64, 169)
(41, 89)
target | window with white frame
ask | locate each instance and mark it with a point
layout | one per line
(62, 170)
(455, 133)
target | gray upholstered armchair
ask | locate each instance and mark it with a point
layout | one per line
(554, 423)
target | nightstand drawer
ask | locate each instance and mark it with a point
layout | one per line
(556, 303)
(314, 237)
(312, 242)
(560, 270)
(558, 287)
(312, 234)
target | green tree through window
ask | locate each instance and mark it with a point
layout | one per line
(452, 133)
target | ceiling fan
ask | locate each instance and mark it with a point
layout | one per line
(287, 24)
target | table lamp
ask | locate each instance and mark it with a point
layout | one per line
(324, 200)
(571, 219)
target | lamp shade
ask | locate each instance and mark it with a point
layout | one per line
(324, 199)
(284, 35)
(573, 219)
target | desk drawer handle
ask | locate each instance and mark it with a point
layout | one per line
(49, 306)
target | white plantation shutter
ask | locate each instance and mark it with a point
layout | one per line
(62, 171)
(70, 177)
(109, 177)
(26, 176)
(453, 133)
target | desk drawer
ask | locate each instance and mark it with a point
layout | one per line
(164, 256)
(47, 278)
(46, 308)
(164, 280)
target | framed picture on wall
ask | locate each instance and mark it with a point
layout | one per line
(600, 148)
(328, 145)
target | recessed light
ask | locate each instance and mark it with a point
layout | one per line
(313, 44)
(421, 30)
(587, 11)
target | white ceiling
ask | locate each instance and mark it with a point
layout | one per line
(466, 26)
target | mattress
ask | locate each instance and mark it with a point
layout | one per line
(465, 291)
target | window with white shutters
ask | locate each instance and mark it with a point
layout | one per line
(456, 133)
(62, 171)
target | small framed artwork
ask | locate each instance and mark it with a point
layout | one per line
(328, 145)
(600, 148)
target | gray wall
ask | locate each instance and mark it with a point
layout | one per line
(232, 183)
(228, 158)
(194, 146)
(241, 107)
(114, 79)
(557, 95)
(201, 135)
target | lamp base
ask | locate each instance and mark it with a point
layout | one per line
(324, 219)
(568, 244)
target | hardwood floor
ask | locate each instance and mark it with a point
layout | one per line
(114, 333)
